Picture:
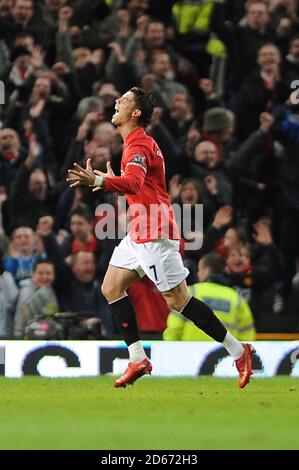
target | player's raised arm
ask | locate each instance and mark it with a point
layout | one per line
(132, 180)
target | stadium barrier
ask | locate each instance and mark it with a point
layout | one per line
(94, 358)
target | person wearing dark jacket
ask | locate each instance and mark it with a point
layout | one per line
(211, 172)
(24, 17)
(179, 118)
(75, 285)
(260, 91)
(30, 198)
(255, 271)
(286, 130)
(291, 61)
(242, 42)
(12, 155)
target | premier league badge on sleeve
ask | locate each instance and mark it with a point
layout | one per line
(138, 160)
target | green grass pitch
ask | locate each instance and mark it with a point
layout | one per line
(156, 413)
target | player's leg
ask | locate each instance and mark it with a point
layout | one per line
(116, 282)
(123, 270)
(162, 262)
(204, 318)
(180, 300)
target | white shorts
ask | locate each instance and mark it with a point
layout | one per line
(160, 260)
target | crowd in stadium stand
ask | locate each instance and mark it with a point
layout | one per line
(223, 73)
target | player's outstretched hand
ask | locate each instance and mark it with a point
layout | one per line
(79, 175)
(110, 174)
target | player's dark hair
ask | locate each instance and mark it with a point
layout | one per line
(145, 102)
(214, 262)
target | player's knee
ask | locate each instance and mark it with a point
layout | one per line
(178, 297)
(171, 302)
(104, 290)
(111, 293)
(176, 302)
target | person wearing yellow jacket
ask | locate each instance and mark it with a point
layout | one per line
(192, 16)
(227, 304)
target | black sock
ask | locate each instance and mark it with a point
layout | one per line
(205, 319)
(125, 318)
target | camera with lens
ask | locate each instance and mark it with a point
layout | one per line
(65, 325)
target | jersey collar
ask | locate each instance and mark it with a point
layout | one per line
(135, 133)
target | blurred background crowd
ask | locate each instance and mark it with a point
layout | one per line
(223, 73)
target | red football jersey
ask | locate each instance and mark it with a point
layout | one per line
(143, 183)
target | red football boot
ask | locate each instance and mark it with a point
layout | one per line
(134, 372)
(244, 365)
